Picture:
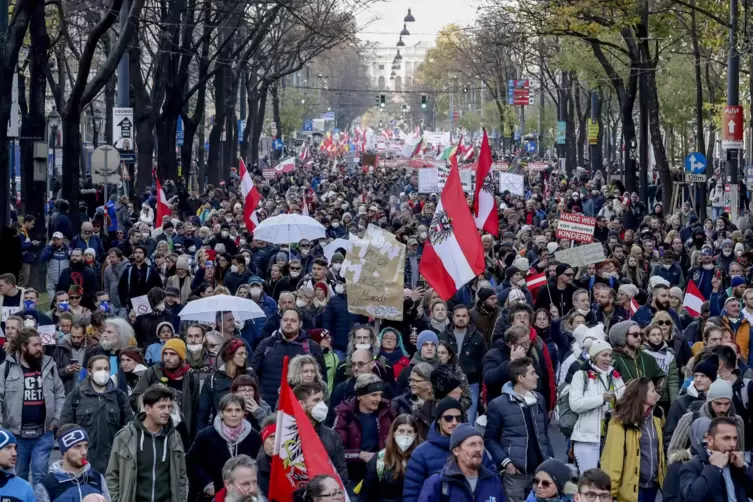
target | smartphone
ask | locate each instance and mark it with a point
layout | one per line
(74, 361)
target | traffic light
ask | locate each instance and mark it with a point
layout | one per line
(405, 107)
(423, 101)
(377, 100)
(382, 100)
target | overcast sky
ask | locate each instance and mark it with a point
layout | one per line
(383, 21)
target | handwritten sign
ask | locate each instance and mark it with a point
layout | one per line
(428, 180)
(581, 255)
(9, 311)
(48, 334)
(141, 305)
(374, 275)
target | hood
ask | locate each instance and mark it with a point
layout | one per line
(56, 469)
(529, 398)
(139, 368)
(679, 456)
(164, 323)
(400, 344)
(438, 439)
(138, 423)
(691, 390)
(247, 429)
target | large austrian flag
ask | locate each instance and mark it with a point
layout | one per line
(298, 453)
(163, 209)
(251, 198)
(485, 210)
(454, 254)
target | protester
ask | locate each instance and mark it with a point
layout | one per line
(234, 362)
(12, 486)
(255, 409)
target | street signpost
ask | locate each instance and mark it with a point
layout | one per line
(593, 132)
(179, 132)
(576, 227)
(105, 163)
(308, 125)
(531, 147)
(518, 92)
(561, 132)
(732, 127)
(122, 128)
(695, 168)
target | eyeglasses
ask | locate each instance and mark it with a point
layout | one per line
(416, 380)
(74, 297)
(448, 419)
(360, 364)
(664, 323)
(592, 496)
(543, 482)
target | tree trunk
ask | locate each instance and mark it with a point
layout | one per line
(570, 139)
(275, 92)
(660, 154)
(71, 119)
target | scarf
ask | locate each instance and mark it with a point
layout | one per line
(439, 326)
(178, 373)
(196, 361)
(392, 357)
(417, 358)
(232, 433)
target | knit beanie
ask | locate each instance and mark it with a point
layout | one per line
(448, 403)
(719, 389)
(511, 271)
(579, 333)
(133, 353)
(426, 336)
(522, 264)
(558, 471)
(618, 333)
(183, 263)
(443, 381)
(337, 258)
(484, 294)
(598, 346)
(6, 438)
(552, 247)
(461, 433)
(706, 367)
(561, 269)
(629, 290)
(737, 281)
(177, 345)
(676, 292)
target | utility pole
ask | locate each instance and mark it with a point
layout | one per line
(644, 134)
(540, 125)
(4, 169)
(733, 99)
(596, 153)
(124, 87)
(562, 116)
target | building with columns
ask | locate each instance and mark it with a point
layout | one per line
(379, 59)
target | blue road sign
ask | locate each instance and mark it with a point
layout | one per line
(308, 125)
(695, 163)
(241, 130)
(277, 144)
(530, 146)
(179, 134)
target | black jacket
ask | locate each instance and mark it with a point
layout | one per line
(215, 387)
(549, 295)
(269, 357)
(81, 275)
(386, 488)
(703, 482)
(137, 282)
(334, 446)
(690, 401)
(473, 350)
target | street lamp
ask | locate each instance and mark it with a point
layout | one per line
(405, 31)
(53, 122)
(409, 18)
(97, 121)
(400, 42)
(398, 57)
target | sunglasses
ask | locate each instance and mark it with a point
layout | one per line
(448, 419)
(571, 274)
(541, 482)
(295, 268)
(664, 323)
(74, 297)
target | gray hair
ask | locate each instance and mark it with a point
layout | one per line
(234, 463)
(123, 329)
(423, 370)
(367, 379)
(229, 399)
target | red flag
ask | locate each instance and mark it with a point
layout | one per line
(162, 208)
(485, 209)
(693, 300)
(251, 196)
(454, 254)
(534, 282)
(633, 307)
(298, 454)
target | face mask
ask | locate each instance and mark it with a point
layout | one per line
(228, 220)
(234, 269)
(404, 442)
(101, 377)
(423, 236)
(30, 304)
(295, 273)
(319, 412)
(339, 289)
(583, 312)
(104, 307)
(708, 266)
(29, 323)
(738, 253)
(337, 266)
(726, 252)
(256, 292)
(363, 346)
(194, 348)
(733, 319)
(243, 242)
(64, 306)
(300, 303)
(224, 234)
(160, 306)
(304, 252)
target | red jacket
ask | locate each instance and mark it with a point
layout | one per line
(348, 426)
(399, 366)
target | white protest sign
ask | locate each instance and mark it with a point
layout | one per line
(466, 178)
(582, 255)
(514, 183)
(576, 227)
(9, 311)
(48, 334)
(428, 180)
(141, 305)
(122, 128)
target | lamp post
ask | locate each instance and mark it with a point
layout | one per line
(97, 121)
(53, 122)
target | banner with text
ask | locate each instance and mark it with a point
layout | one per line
(582, 255)
(576, 227)
(373, 271)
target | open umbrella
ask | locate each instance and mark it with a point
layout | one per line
(205, 309)
(289, 228)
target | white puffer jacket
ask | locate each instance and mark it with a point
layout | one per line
(587, 400)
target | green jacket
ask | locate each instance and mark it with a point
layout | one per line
(121, 470)
(630, 369)
(332, 361)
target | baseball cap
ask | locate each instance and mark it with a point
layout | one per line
(57, 235)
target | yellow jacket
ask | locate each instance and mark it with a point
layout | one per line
(621, 458)
(742, 337)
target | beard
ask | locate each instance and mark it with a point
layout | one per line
(33, 360)
(107, 344)
(233, 496)
(662, 306)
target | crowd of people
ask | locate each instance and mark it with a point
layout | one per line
(466, 398)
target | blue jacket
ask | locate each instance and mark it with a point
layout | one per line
(338, 321)
(702, 279)
(28, 249)
(113, 226)
(428, 459)
(79, 243)
(63, 225)
(673, 274)
(450, 484)
(61, 486)
(15, 489)
(233, 280)
(269, 306)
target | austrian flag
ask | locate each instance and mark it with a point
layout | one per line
(693, 300)
(485, 210)
(453, 255)
(251, 197)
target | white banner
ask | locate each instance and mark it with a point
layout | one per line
(582, 255)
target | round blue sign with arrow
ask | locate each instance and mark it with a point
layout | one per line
(277, 144)
(531, 146)
(695, 163)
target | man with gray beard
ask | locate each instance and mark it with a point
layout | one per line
(239, 475)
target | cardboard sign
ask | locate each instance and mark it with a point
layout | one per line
(582, 255)
(48, 334)
(514, 183)
(576, 227)
(9, 311)
(428, 180)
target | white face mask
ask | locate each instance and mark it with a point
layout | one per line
(708, 266)
(101, 377)
(29, 323)
(404, 442)
(300, 303)
(583, 312)
(335, 224)
(295, 273)
(339, 289)
(423, 236)
(319, 412)
(726, 252)
(243, 242)
(194, 348)
(337, 266)
(304, 252)
(247, 259)
(256, 292)
(234, 269)
(161, 306)
(363, 346)
(224, 234)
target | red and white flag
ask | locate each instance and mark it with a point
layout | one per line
(298, 453)
(693, 300)
(633, 307)
(304, 152)
(534, 282)
(485, 210)
(251, 197)
(162, 208)
(454, 254)
(286, 165)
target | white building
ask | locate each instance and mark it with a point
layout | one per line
(379, 59)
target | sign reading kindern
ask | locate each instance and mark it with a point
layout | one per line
(576, 227)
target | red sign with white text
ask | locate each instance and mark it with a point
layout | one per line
(732, 127)
(576, 227)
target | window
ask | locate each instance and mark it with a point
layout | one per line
(381, 67)
(398, 84)
(381, 83)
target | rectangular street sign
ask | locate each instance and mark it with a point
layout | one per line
(732, 127)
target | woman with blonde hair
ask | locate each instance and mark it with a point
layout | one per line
(304, 369)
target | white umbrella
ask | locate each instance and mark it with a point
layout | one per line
(289, 228)
(205, 309)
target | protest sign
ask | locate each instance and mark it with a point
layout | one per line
(514, 183)
(141, 305)
(582, 255)
(48, 334)
(428, 180)
(373, 273)
(466, 178)
(576, 227)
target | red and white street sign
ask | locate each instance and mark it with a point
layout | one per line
(732, 127)
(576, 227)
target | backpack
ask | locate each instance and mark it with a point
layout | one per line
(566, 417)
(305, 343)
